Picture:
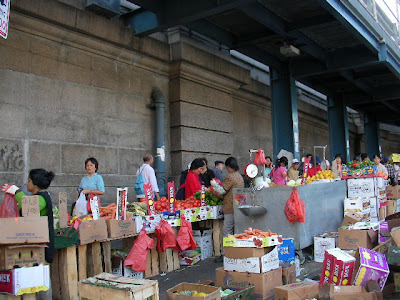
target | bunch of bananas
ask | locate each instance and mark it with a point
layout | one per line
(136, 208)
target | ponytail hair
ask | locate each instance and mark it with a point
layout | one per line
(41, 178)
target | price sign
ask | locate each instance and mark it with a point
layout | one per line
(306, 165)
(62, 210)
(4, 17)
(148, 192)
(122, 196)
(94, 206)
(30, 206)
(203, 195)
(171, 193)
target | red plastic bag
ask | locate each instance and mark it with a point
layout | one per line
(165, 236)
(259, 159)
(184, 238)
(294, 208)
(138, 255)
(9, 207)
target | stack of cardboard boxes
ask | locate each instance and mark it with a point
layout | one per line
(23, 268)
(393, 196)
(251, 263)
(204, 241)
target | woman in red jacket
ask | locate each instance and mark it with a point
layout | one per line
(193, 182)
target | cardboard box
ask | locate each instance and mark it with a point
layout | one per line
(352, 239)
(349, 292)
(396, 277)
(287, 250)
(25, 280)
(338, 267)
(392, 207)
(297, 291)
(231, 241)
(149, 223)
(395, 234)
(362, 187)
(120, 228)
(264, 283)
(373, 266)
(352, 218)
(241, 253)
(214, 212)
(393, 192)
(211, 291)
(360, 205)
(382, 213)
(129, 273)
(92, 231)
(21, 256)
(24, 230)
(204, 246)
(265, 263)
(323, 242)
(289, 274)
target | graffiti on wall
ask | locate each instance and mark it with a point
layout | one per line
(11, 158)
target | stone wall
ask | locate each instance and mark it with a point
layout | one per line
(74, 85)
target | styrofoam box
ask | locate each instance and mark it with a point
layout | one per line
(265, 263)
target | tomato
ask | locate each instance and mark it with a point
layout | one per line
(158, 205)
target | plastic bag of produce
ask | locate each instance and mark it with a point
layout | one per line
(259, 159)
(165, 236)
(9, 207)
(138, 255)
(80, 206)
(294, 208)
(184, 238)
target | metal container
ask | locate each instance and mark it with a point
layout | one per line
(323, 207)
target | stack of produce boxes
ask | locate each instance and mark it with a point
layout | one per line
(204, 241)
(22, 251)
(251, 258)
(393, 196)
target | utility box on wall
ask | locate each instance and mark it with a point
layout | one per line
(107, 8)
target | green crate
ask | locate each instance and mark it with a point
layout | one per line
(243, 294)
(65, 237)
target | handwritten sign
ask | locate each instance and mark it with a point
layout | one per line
(122, 196)
(148, 192)
(171, 192)
(203, 195)
(62, 210)
(94, 206)
(4, 17)
(30, 206)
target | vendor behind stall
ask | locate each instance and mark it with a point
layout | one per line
(193, 182)
(377, 162)
(231, 181)
(206, 174)
(279, 172)
(38, 181)
(337, 166)
(293, 172)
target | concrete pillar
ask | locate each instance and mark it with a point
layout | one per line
(338, 127)
(285, 124)
(372, 136)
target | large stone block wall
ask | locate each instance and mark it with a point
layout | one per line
(67, 94)
(74, 85)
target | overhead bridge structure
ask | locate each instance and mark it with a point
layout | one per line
(346, 49)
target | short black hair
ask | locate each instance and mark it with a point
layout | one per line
(197, 163)
(93, 161)
(41, 178)
(217, 162)
(232, 163)
(364, 156)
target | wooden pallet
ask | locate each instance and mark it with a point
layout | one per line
(107, 286)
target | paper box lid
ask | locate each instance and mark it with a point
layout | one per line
(244, 252)
(395, 233)
(373, 260)
(352, 218)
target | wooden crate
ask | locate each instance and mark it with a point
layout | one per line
(107, 286)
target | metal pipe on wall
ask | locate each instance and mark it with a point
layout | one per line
(159, 160)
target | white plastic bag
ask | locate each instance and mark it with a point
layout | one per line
(80, 206)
